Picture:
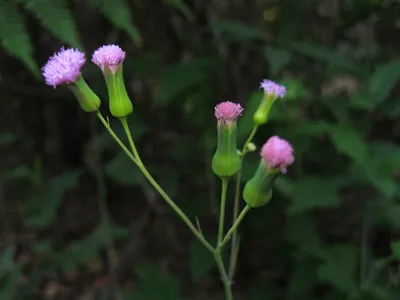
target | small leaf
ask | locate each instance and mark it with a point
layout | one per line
(123, 170)
(340, 268)
(57, 18)
(395, 246)
(179, 77)
(119, 14)
(381, 82)
(277, 58)
(324, 54)
(238, 31)
(314, 192)
(45, 205)
(154, 284)
(201, 260)
(348, 140)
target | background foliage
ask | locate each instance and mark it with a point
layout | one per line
(332, 230)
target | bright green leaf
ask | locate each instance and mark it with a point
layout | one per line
(314, 192)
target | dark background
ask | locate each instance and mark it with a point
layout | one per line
(332, 229)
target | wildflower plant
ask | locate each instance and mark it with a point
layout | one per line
(276, 155)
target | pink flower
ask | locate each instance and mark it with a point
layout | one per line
(272, 88)
(228, 111)
(63, 67)
(277, 153)
(108, 56)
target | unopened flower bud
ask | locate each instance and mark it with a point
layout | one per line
(272, 91)
(109, 58)
(226, 160)
(276, 156)
(251, 147)
(64, 67)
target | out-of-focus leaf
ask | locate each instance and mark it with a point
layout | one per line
(123, 170)
(238, 31)
(349, 141)
(10, 284)
(301, 231)
(303, 278)
(43, 208)
(119, 14)
(379, 85)
(7, 260)
(183, 8)
(339, 269)
(7, 138)
(295, 89)
(395, 246)
(277, 58)
(56, 17)
(154, 284)
(19, 172)
(324, 54)
(259, 289)
(179, 77)
(201, 260)
(314, 192)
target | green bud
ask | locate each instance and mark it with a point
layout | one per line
(87, 99)
(120, 104)
(251, 147)
(258, 190)
(261, 115)
(226, 161)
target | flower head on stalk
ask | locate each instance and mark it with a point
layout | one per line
(277, 153)
(110, 56)
(272, 88)
(227, 112)
(63, 67)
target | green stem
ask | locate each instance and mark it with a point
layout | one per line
(225, 279)
(225, 182)
(234, 226)
(234, 244)
(157, 187)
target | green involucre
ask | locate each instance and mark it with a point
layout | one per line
(261, 115)
(120, 104)
(226, 160)
(258, 190)
(87, 99)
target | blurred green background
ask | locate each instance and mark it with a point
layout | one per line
(332, 230)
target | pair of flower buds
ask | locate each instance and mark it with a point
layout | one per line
(65, 66)
(276, 153)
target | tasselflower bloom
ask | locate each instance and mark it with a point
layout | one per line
(226, 160)
(277, 153)
(109, 59)
(272, 88)
(64, 67)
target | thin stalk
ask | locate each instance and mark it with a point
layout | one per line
(235, 245)
(224, 276)
(158, 188)
(234, 226)
(225, 182)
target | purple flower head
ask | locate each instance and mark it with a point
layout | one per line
(277, 153)
(272, 88)
(63, 67)
(109, 55)
(228, 111)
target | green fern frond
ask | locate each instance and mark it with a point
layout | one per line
(57, 18)
(119, 14)
(13, 36)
